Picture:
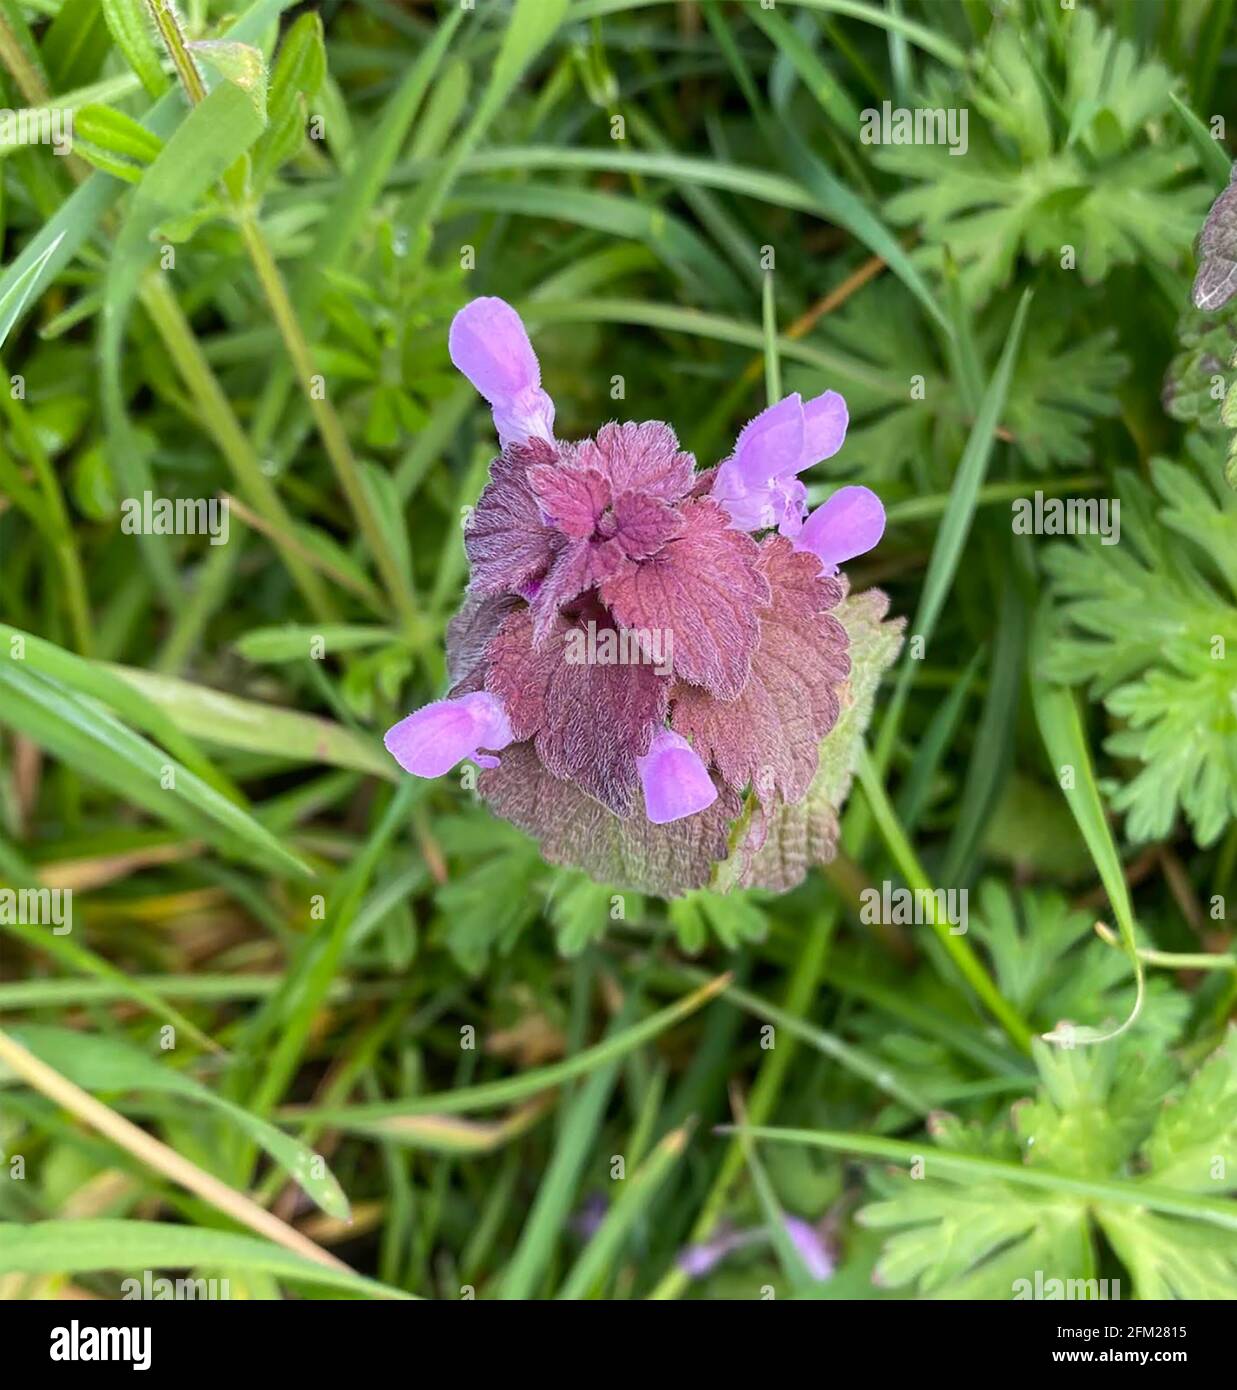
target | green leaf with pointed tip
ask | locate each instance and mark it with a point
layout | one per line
(117, 133)
(208, 141)
(292, 643)
(129, 25)
(239, 63)
(79, 1247)
(298, 74)
(88, 738)
(14, 298)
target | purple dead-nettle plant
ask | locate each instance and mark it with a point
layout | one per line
(717, 585)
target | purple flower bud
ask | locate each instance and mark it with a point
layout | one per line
(703, 1258)
(851, 522)
(436, 737)
(489, 345)
(676, 782)
(587, 1220)
(812, 1250)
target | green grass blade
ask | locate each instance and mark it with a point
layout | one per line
(84, 1247)
(101, 748)
(227, 721)
(1060, 727)
(101, 1063)
(489, 1094)
(1214, 1211)
(635, 1196)
(14, 297)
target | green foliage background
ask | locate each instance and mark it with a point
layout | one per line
(410, 1051)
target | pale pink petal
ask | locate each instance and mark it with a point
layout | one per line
(851, 522)
(772, 443)
(490, 346)
(824, 428)
(676, 783)
(432, 740)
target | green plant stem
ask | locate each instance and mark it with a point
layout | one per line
(851, 1058)
(34, 90)
(330, 427)
(155, 1154)
(1220, 1213)
(960, 952)
(174, 41)
(220, 420)
(1170, 960)
(773, 367)
(28, 78)
(808, 970)
(67, 556)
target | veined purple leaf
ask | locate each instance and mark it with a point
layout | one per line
(469, 634)
(705, 587)
(638, 458)
(768, 736)
(573, 829)
(1216, 281)
(507, 542)
(589, 722)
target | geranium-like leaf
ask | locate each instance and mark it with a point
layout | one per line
(706, 588)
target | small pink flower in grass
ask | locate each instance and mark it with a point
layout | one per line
(731, 664)
(435, 738)
(700, 1260)
(676, 783)
(812, 1249)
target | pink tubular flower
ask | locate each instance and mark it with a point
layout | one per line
(759, 483)
(489, 345)
(676, 783)
(699, 1261)
(643, 659)
(435, 738)
(849, 523)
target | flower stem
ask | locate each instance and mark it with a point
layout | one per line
(170, 32)
(220, 420)
(1171, 960)
(773, 366)
(15, 58)
(967, 962)
(330, 427)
